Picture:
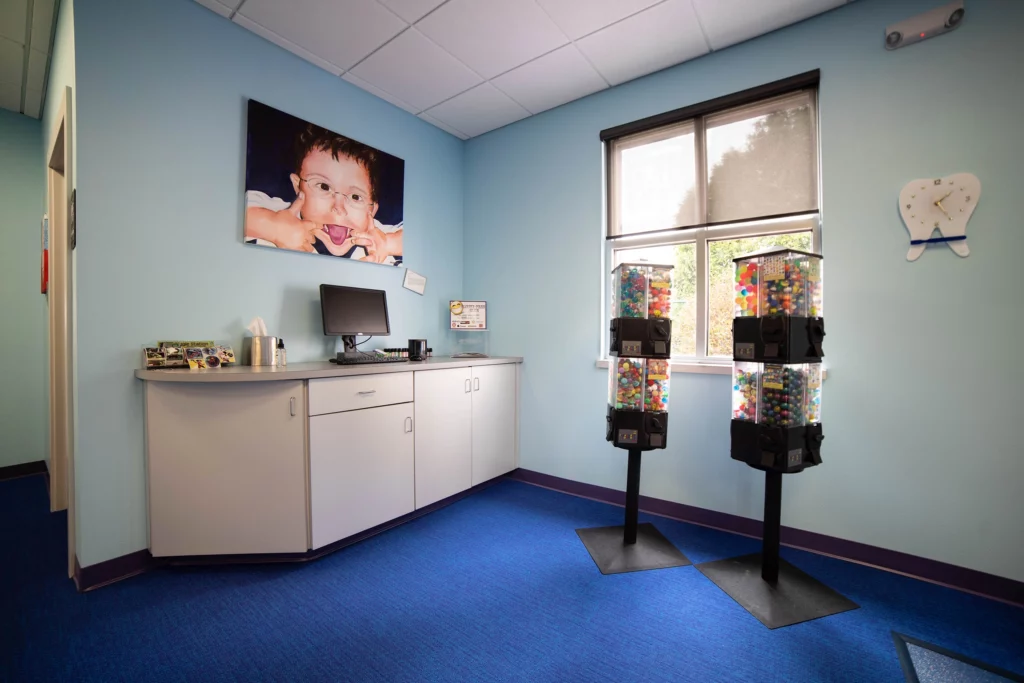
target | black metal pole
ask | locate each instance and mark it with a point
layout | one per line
(632, 497)
(772, 520)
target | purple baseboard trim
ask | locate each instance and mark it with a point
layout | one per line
(132, 564)
(961, 578)
(25, 469)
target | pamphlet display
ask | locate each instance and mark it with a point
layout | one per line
(194, 354)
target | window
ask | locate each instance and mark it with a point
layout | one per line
(698, 187)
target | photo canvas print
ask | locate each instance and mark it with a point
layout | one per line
(312, 190)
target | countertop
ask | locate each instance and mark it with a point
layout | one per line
(248, 373)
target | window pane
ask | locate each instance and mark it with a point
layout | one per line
(684, 288)
(762, 160)
(657, 181)
(721, 289)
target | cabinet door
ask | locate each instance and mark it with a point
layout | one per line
(226, 466)
(444, 442)
(494, 421)
(360, 470)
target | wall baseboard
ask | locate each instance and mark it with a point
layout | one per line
(961, 578)
(123, 567)
(105, 573)
(25, 469)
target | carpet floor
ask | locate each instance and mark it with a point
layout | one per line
(496, 587)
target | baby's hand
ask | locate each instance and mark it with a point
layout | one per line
(285, 228)
(378, 244)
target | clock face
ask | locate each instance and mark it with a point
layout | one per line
(945, 205)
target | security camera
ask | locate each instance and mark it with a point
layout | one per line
(927, 25)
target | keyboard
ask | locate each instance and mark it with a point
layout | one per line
(367, 358)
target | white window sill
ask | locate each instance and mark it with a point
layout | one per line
(692, 366)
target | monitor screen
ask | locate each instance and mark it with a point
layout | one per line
(352, 311)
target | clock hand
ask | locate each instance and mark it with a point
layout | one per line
(939, 204)
(943, 197)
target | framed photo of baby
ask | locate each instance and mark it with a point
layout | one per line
(310, 189)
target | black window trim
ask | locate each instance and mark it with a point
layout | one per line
(809, 79)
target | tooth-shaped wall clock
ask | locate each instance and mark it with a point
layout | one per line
(942, 205)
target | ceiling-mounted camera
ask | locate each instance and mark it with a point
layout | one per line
(927, 25)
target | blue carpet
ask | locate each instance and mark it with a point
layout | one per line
(496, 587)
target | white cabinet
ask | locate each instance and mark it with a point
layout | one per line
(226, 465)
(444, 414)
(494, 421)
(360, 470)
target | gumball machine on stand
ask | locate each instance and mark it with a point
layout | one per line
(637, 413)
(776, 424)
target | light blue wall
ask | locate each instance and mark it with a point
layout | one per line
(22, 306)
(62, 74)
(162, 86)
(922, 409)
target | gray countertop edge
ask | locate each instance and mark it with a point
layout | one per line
(247, 373)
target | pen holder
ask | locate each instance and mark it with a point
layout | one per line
(260, 350)
(417, 349)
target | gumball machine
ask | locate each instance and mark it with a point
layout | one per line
(778, 307)
(776, 423)
(637, 414)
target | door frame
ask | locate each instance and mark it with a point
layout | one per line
(61, 337)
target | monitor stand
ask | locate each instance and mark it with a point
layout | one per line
(349, 342)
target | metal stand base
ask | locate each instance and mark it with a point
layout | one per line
(771, 589)
(613, 556)
(796, 596)
(632, 547)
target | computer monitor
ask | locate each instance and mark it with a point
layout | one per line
(351, 311)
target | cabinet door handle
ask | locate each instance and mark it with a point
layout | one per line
(468, 387)
(476, 384)
(367, 393)
(408, 425)
(291, 405)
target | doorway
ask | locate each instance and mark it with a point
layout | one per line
(59, 184)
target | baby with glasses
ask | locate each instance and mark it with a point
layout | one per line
(334, 180)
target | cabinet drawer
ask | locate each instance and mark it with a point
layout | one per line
(338, 394)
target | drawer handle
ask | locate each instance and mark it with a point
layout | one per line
(476, 384)
(408, 425)
(367, 393)
(469, 387)
(291, 405)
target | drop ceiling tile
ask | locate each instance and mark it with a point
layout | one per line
(33, 103)
(42, 24)
(12, 56)
(652, 40)
(10, 96)
(416, 71)
(447, 129)
(233, 4)
(374, 90)
(478, 110)
(556, 78)
(411, 10)
(13, 15)
(493, 36)
(287, 45)
(36, 69)
(727, 22)
(582, 17)
(217, 7)
(341, 33)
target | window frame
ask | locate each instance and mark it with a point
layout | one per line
(662, 126)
